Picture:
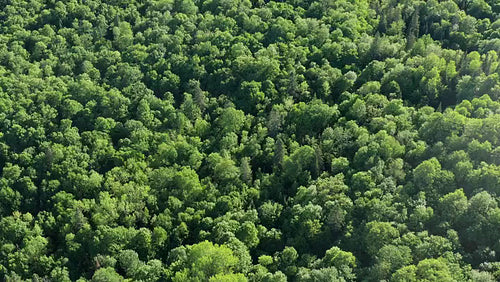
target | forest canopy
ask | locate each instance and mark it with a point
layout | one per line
(249, 140)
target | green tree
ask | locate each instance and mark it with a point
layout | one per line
(204, 261)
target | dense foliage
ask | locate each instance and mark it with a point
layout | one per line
(250, 140)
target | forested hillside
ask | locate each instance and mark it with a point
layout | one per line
(250, 140)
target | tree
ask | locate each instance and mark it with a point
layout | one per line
(452, 206)
(378, 235)
(230, 120)
(312, 117)
(106, 274)
(433, 270)
(430, 178)
(299, 167)
(204, 261)
(389, 259)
